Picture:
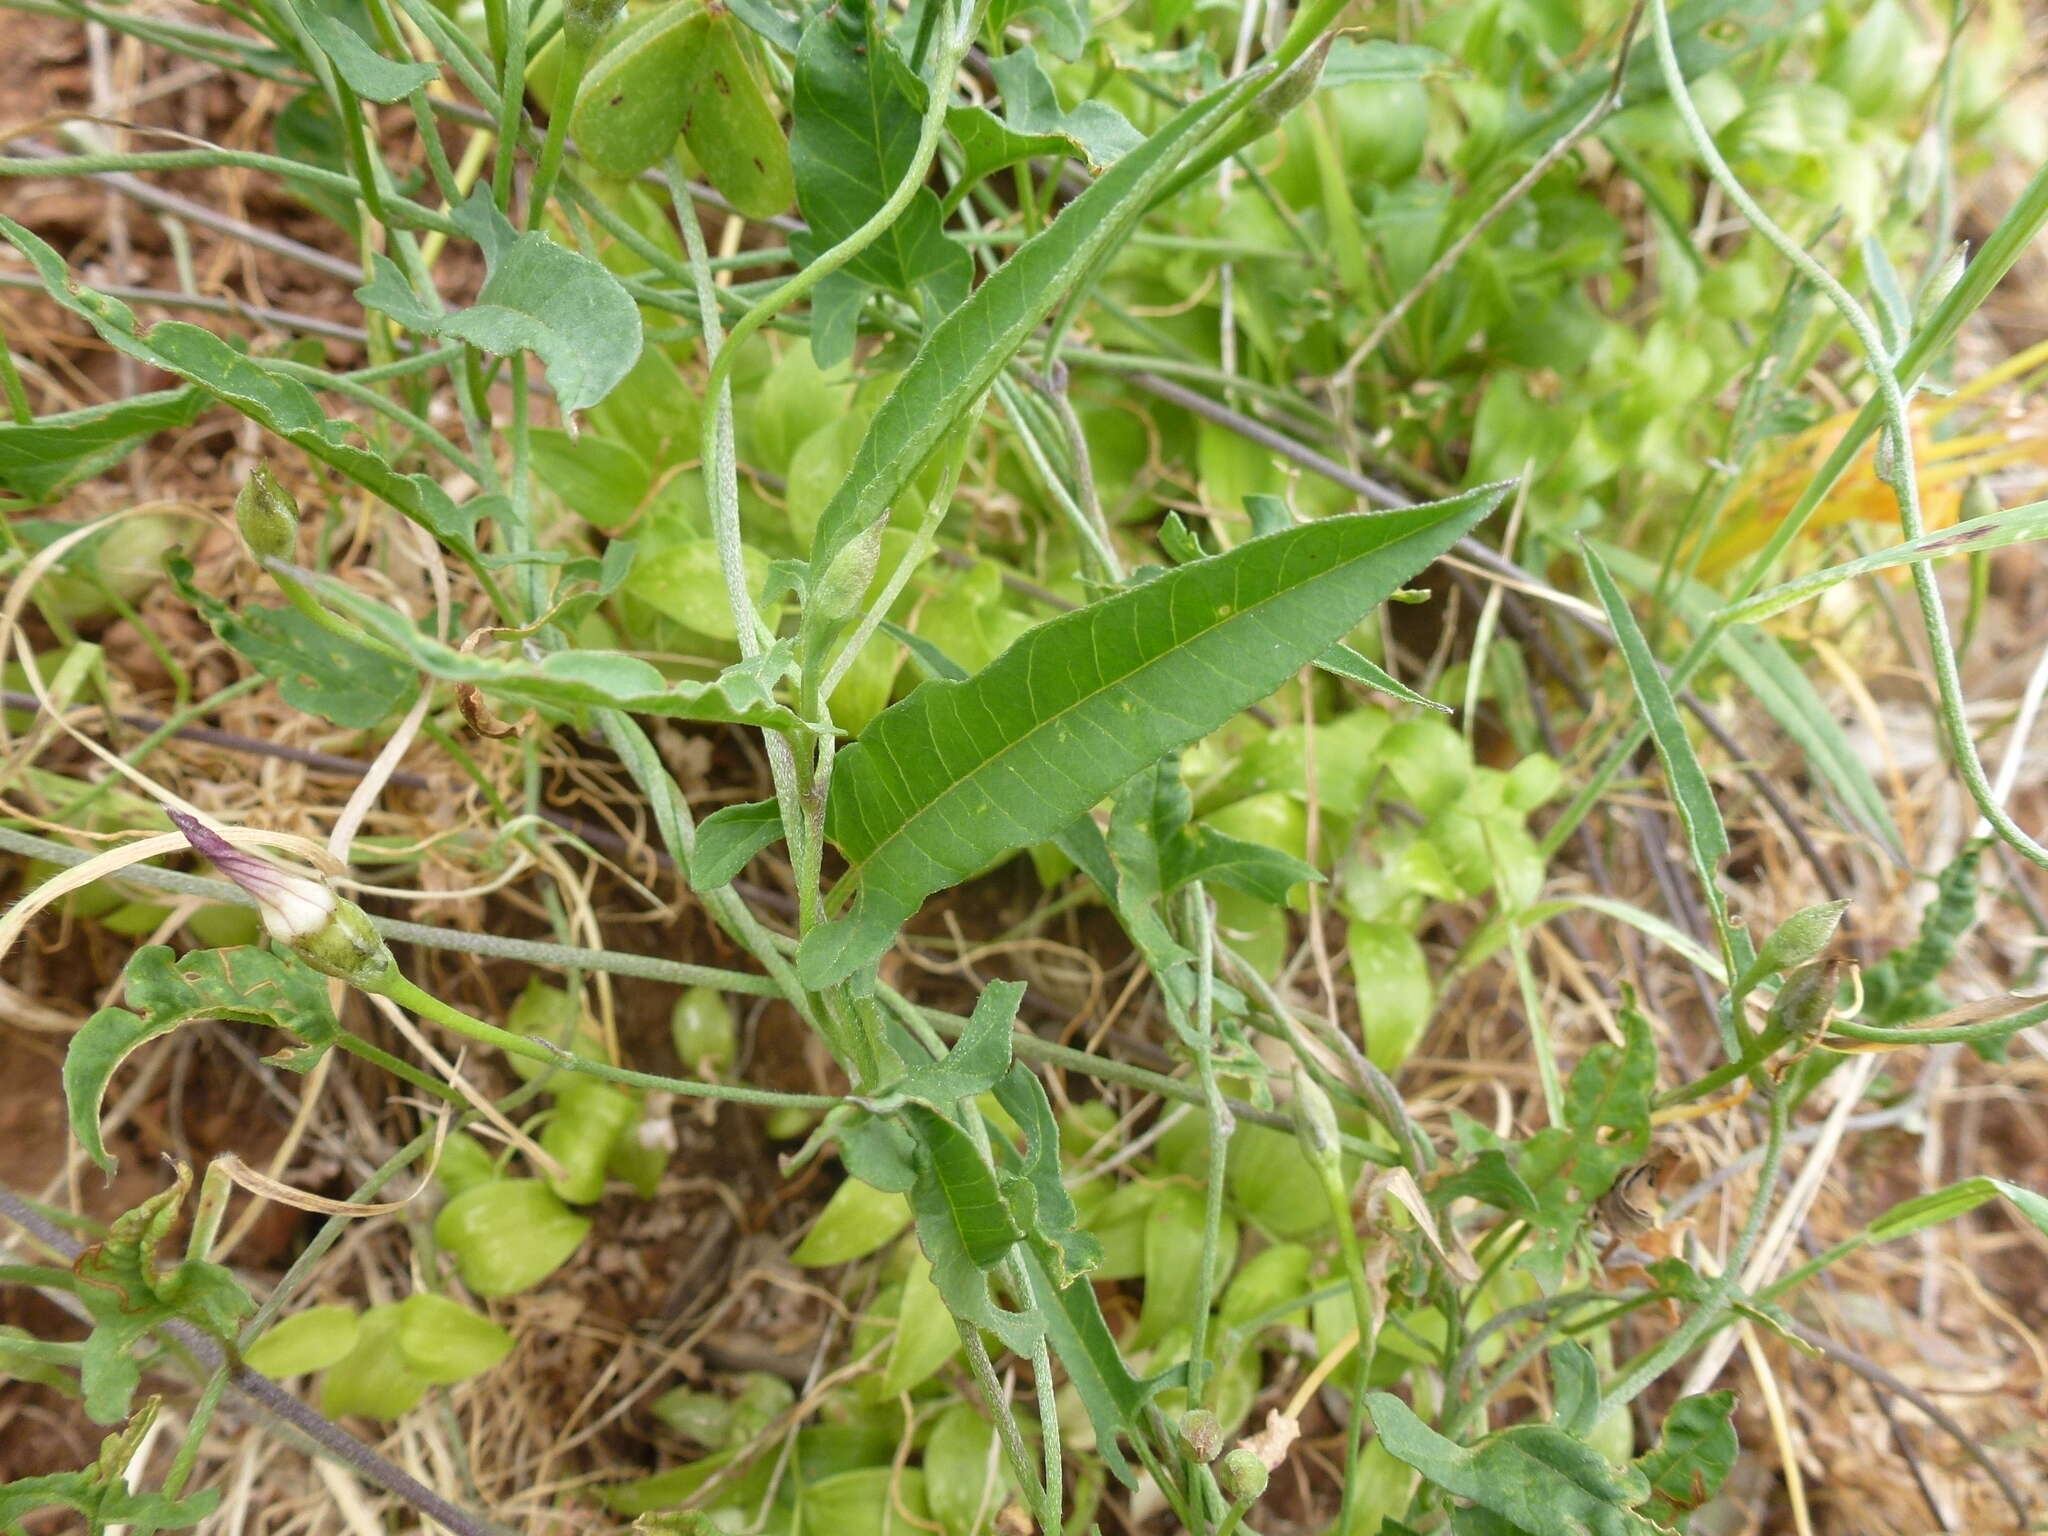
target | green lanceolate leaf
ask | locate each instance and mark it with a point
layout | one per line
(743, 694)
(537, 297)
(1537, 1478)
(2015, 525)
(977, 1060)
(315, 669)
(1203, 853)
(284, 406)
(366, 72)
(1955, 1200)
(1760, 661)
(853, 141)
(1079, 1335)
(40, 458)
(959, 773)
(245, 985)
(1705, 834)
(1692, 1459)
(968, 347)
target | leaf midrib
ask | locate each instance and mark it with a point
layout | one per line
(916, 818)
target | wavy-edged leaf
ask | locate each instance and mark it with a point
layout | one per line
(127, 1296)
(1077, 1333)
(959, 773)
(853, 139)
(1048, 1217)
(742, 694)
(969, 346)
(40, 458)
(1537, 1478)
(282, 405)
(963, 1225)
(315, 669)
(245, 985)
(367, 72)
(1692, 1458)
(1033, 124)
(978, 1059)
(537, 297)
(1606, 1127)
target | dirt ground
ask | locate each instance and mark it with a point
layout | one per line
(698, 1283)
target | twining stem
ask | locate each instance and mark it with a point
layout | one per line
(407, 995)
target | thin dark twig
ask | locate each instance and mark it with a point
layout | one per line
(273, 1399)
(1878, 1376)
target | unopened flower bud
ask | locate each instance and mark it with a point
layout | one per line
(1202, 1433)
(1242, 1476)
(1806, 1001)
(267, 516)
(299, 909)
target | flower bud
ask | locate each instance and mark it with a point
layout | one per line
(1806, 1001)
(299, 910)
(267, 516)
(1242, 1476)
(1202, 1433)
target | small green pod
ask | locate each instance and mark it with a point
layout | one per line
(372, 1380)
(306, 1341)
(635, 97)
(732, 126)
(588, 1121)
(508, 1235)
(443, 1341)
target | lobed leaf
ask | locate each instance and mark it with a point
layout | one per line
(245, 985)
(282, 405)
(1537, 1478)
(537, 297)
(315, 669)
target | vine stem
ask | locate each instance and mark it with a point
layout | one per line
(1708, 1315)
(407, 995)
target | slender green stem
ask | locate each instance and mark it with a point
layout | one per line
(407, 995)
(575, 59)
(1709, 1314)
